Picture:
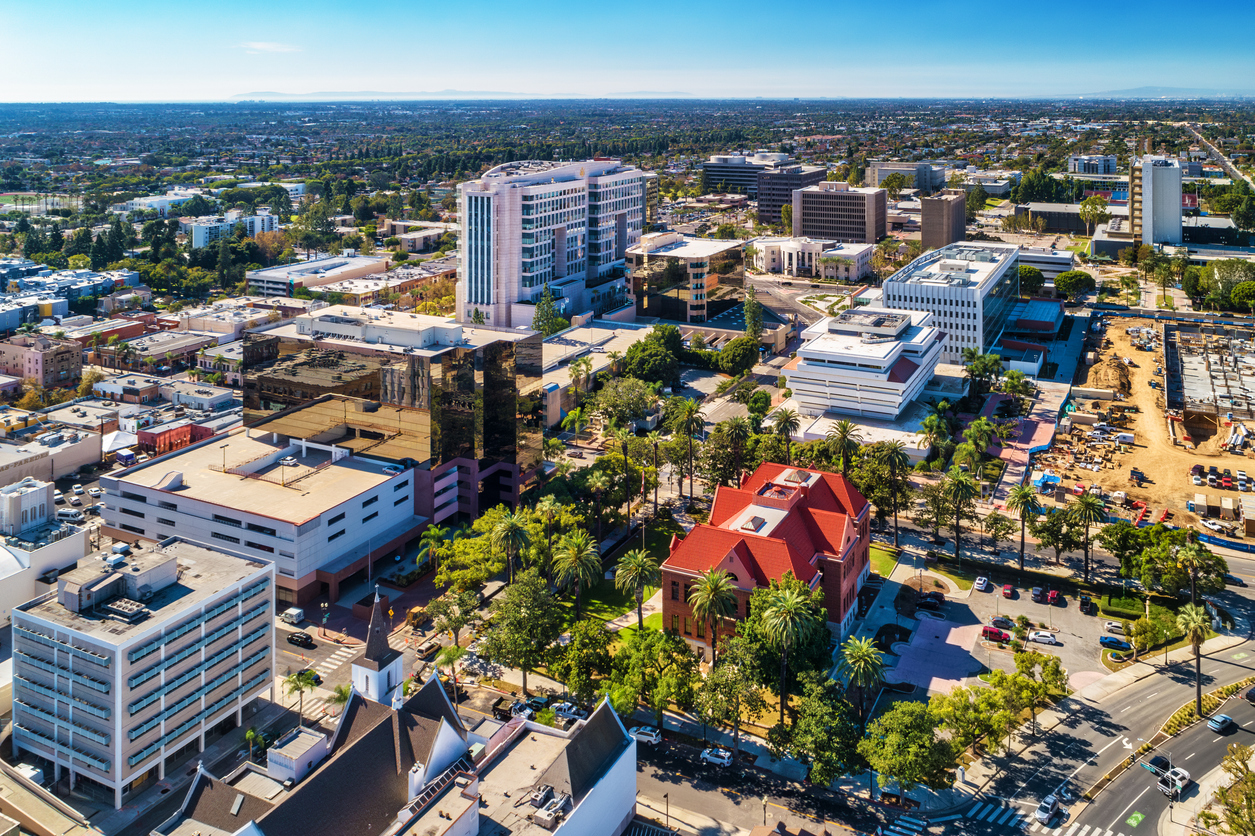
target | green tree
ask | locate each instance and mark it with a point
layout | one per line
(826, 731)
(712, 598)
(1031, 280)
(510, 537)
(298, 683)
(448, 658)
(453, 612)
(1074, 283)
(786, 423)
(844, 439)
(863, 666)
(525, 622)
(1125, 542)
(585, 660)
(1244, 215)
(1244, 295)
(1192, 620)
(688, 420)
(961, 492)
(786, 218)
(1055, 530)
(577, 561)
(652, 362)
(1093, 212)
(790, 619)
(975, 201)
(1085, 512)
(730, 692)
(895, 183)
(637, 570)
(738, 356)
(753, 318)
(967, 713)
(546, 318)
(654, 667)
(892, 466)
(902, 744)
(1022, 501)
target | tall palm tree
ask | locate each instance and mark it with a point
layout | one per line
(298, 683)
(863, 666)
(1192, 620)
(598, 483)
(1193, 559)
(448, 657)
(636, 570)
(933, 429)
(689, 420)
(432, 545)
(654, 438)
(789, 620)
(510, 536)
(253, 738)
(578, 561)
(844, 438)
(575, 421)
(961, 489)
(893, 454)
(786, 423)
(738, 431)
(1023, 502)
(548, 508)
(713, 598)
(622, 437)
(1087, 510)
(340, 696)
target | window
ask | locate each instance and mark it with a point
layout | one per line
(747, 608)
(370, 502)
(687, 628)
(260, 529)
(169, 506)
(675, 590)
(399, 501)
(166, 522)
(134, 496)
(131, 528)
(220, 536)
(336, 519)
(259, 547)
(228, 521)
(675, 624)
(701, 629)
(132, 513)
(370, 516)
(401, 485)
(339, 533)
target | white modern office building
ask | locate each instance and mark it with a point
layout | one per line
(531, 224)
(1092, 164)
(969, 288)
(34, 544)
(130, 662)
(813, 257)
(206, 231)
(870, 362)
(1155, 200)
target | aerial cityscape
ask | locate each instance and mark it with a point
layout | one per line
(847, 446)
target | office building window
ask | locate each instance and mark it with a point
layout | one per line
(335, 519)
(370, 502)
(399, 501)
(219, 536)
(339, 533)
(131, 528)
(370, 516)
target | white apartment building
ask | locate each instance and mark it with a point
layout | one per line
(870, 362)
(130, 662)
(33, 542)
(206, 231)
(1155, 200)
(162, 204)
(531, 224)
(314, 517)
(970, 288)
(813, 257)
(285, 279)
(1092, 164)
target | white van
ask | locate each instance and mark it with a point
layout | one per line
(1124, 438)
(71, 515)
(293, 615)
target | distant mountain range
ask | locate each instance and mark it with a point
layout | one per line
(375, 95)
(1170, 93)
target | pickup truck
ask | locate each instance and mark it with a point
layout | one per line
(1172, 782)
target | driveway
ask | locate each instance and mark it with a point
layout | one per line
(939, 655)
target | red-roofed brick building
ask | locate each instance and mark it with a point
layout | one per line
(781, 519)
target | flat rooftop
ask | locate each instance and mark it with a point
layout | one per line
(512, 777)
(316, 485)
(956, 265)
(203, 573)
(688, 248)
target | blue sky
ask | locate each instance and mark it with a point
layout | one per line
(140, 50)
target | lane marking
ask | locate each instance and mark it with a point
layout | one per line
(1119, 817)
(1190, 755)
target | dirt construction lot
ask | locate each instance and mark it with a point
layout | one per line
(1166, 466)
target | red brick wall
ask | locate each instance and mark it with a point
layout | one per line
(680, 614)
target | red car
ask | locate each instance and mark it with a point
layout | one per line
(1008, 591)
(1052, 597)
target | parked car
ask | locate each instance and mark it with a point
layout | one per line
(569, 711)
(1037, 593)
(717, 757)
(1008, 591)
(76, 500)
(981, 584)
(1114, 627)
(1158, 764)
(939, 597)
(644, 734)
(1087, 605)
(1047, 809)
(930, 604)
(1052, 597)
(1112, 643)
(94, 491)
(301, 639)
(501, 709)
(57, 498)
(317, 676)
(1198, 480)
(1003, 622)
(521, 709)
(1220, 722)
(1197, 469)
(78, 489)
(1234, 580)
(288, 461)
(1043, 637)
(538, 704)
(1213, 525)
(993, 634)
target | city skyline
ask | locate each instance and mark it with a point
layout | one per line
(973, 50)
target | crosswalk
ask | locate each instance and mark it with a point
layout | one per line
(335, 660)
(1072, 830)
(997, 813)
(905, 826)
(1006, 817)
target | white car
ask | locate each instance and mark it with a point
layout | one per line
(718, 757)
(288, 461)
(1198, 480)
(1047, 809)
(569, 711)
(644, 734)
(1213, 525)
(1114, 627)
(78, 489)
(1042, 637)
(981, 584)
(95, 492)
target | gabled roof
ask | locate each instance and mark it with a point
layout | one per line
(591, 752)
(211, 802)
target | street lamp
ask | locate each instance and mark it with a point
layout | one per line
(764, 811)
(666, 796)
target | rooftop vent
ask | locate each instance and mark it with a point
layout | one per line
(754, 524)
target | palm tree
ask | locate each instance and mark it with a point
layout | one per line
(713, 598)
(654, 437)
(1192, 620)
(575, 421)
(893, 453)
(577, 561)
(510, 536)
(1023, 502)
(933, 429)
(636, 570)
(298, 683)
(432, 545)
(448, 657)
(738, 431)
(1193, 559)
(1087, 510)
(548, 508)
(690, 421)
(789, 620)
(843, 439)
(340, 696)
(961, 489)
(622, 437)
(786, 423)
(597, 483)
(863, 666)
(253, 738)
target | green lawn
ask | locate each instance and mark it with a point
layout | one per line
(992, 471)
(962, 578)
(883, 560)
(603, 602)
(993, 202)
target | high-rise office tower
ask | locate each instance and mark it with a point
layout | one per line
(1155, 200)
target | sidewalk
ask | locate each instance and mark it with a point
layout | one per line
(788, 769)
(1176, 822)
(684, 821)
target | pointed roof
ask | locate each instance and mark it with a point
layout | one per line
(378, 654)
(592, 751)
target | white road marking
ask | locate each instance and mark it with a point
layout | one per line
(1120, 817)
(1011, 811)
(1190, 755)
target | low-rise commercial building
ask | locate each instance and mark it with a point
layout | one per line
(840, 212)
(924, 176)
(49, 361)
(286, 279)
(679, 279)
(226, 360)
(1092, 164)
(128, 388)
(814, 258)
(34, 544)
(865, 361)
(47, 452)
(132, 662)
(202, 396)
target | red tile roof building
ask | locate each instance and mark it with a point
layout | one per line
(781, 519)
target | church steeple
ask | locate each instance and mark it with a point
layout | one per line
(377, 648)
(379, 669)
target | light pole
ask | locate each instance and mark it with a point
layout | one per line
(666, 796)
(764, 811)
